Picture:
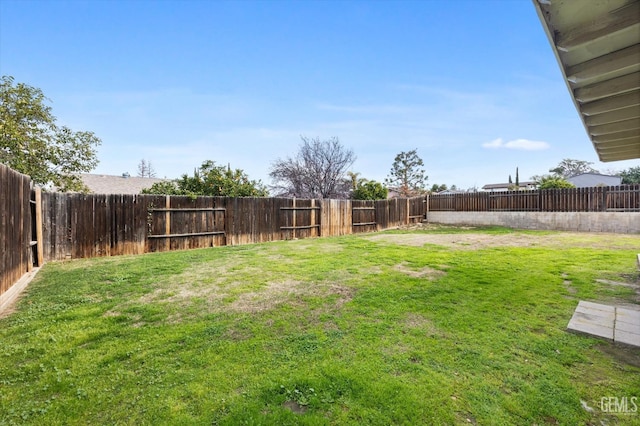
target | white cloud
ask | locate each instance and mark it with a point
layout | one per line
(521, 144)
(496, 143)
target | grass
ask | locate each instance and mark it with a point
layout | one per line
(353, 330)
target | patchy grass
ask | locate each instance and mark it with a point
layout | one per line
(366, 329)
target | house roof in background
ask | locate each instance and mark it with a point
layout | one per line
(110, 184)
(507, 185)
(597, 45)
(588, 180)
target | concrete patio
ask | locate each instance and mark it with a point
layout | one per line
(615, 323)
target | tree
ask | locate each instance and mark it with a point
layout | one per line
(569, 167)
(145, 169)
(407, 174)
(370, 190)
(438, 188)
(514, 186)
(353, 178)
(212, 180)
(32, 143)
(167, 187)
(630, 176)
(553, 182)
(316, 171)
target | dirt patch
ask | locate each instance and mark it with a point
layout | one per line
(272, 295)
(277, 293)
(475, 241)
(469, 241)
(622, 354)
(245, 299)
(295, 407)
(425, 272)
(11, 307)
(325, 247)
(568, 285)
(209, 281)
(619, 284)
(415, 321)
(345, 294)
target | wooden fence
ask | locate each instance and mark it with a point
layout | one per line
(19, 252)
(79, 225)
(624, 198)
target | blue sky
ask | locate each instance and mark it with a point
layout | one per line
(473, 85)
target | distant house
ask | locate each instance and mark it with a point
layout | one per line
(588, 180)
(449, 191)
(506, 186)
(124, 184)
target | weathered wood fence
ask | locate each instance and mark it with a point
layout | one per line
(19, 251)
(79, 225)
(625, 198)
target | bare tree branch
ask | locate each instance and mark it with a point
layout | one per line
(317, 171)
(145, 169)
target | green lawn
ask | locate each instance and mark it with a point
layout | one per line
(437, 326)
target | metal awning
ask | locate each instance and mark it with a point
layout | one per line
(597, 45)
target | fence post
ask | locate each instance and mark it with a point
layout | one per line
(39, 236)
(426, 208)
(312, 219)
(293, 220)
(408, 220)
(167, 221)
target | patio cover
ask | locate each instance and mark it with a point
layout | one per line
(597, 45)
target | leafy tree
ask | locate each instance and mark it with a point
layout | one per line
(316, 171)
(407, 174)
(370, 190)
(167, 187)
(145, 169)
(438, 188)
(553, 182)
(569, 167)
(32, 143)
(212, 180)
(630, 176)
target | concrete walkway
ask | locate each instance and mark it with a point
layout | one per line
(621, 325)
